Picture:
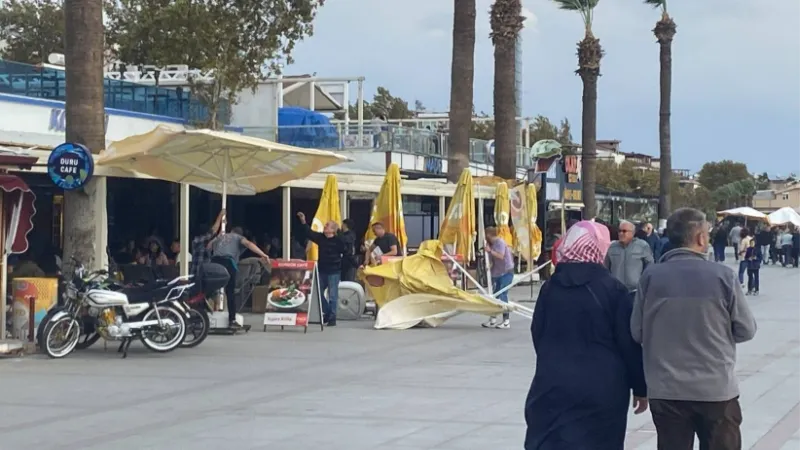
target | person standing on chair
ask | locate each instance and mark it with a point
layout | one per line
(225, 251)
(502, 271)
(331, 249)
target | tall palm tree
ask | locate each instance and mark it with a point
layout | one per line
(506, 21)
(665, 31)
(85, 119)
(589, 54)
(462, 77)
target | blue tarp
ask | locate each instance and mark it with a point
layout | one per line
(305, 128)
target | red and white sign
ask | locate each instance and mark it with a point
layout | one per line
(286, 319)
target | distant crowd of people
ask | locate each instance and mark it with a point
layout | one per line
(645, 321)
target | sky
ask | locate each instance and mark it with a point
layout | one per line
(735, 82)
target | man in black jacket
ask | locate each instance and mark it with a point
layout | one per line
(329, 265)
(349, 263)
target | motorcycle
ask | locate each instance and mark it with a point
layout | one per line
(93, 310)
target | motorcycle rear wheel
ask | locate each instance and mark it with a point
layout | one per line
(197, 327)
(174, 336)
(69, 340)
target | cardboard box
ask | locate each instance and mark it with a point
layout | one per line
(259, 298)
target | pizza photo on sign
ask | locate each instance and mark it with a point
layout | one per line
(290, 286)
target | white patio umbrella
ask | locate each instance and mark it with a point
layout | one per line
(783, 216)
(221, 162)
(744, 211)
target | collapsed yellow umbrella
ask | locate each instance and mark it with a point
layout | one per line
(501, 213)
(535, 233)
(328, 210)
(388, 209)
(458, 227)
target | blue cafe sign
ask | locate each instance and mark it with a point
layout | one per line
(70, 166)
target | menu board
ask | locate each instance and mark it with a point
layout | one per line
(293, 296)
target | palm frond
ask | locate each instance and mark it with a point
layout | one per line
(662, 4)
(584, 7)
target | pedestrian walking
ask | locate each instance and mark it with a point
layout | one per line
(764, 240)
(754, 258)
(502, 271)
(744, 243)
(689, 314)
(331, 248)
(785, 239)
(720, 243)
(587, 363)
(628, 257)
(734, 238)
(349, 262)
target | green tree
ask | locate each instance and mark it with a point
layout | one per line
(627, 177)
(238, 42)
(462, 79)
(506, 21)
(384, 104)
(31, 29)
(762, 182)
(85, 124)
(543, 128)
(589, 55)
(665, 32)
(716, 174)
(734, 194)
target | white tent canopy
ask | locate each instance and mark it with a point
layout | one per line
(744, 211)
(784, 216)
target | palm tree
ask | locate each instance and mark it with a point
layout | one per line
(85, 119)
(665, 31)
(589, 54)
(462, 76)
(506, 21)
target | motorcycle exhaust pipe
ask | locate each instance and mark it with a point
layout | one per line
(149, 323)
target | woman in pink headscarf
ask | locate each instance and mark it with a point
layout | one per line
(587, 363)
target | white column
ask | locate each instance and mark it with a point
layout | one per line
(360, 108)
(100, 208)
(312, 100)
(442, 211)
(286, 218)
(344, 205)
(346, 106)
(184, 229)
(481, 226)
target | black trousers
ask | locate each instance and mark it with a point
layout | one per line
(230, 288)
(753, 280)
(716, 424)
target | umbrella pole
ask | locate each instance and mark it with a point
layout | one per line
(464, 271)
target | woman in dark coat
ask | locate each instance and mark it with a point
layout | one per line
(587, 363)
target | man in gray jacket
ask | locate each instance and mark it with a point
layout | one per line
(628, 257)
(689, 314)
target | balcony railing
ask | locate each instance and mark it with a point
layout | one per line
(386, 137)
(48, 83)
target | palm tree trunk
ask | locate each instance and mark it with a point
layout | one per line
(505, 108)
(589, 144)
(462, 76)
(665, 31)
(85, 120)
(589, 54)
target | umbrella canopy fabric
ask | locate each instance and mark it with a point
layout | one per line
(388, 209)
(534, 232)
(458, 227)
(502, 205)
(783, 216)
(744, 211)
(216, 161)
(328, 210)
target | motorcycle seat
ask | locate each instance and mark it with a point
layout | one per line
(151, 292)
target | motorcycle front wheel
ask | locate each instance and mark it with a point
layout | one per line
(197, 327)
(61, 336)
(162, 339)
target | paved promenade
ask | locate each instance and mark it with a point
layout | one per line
(457, 387)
